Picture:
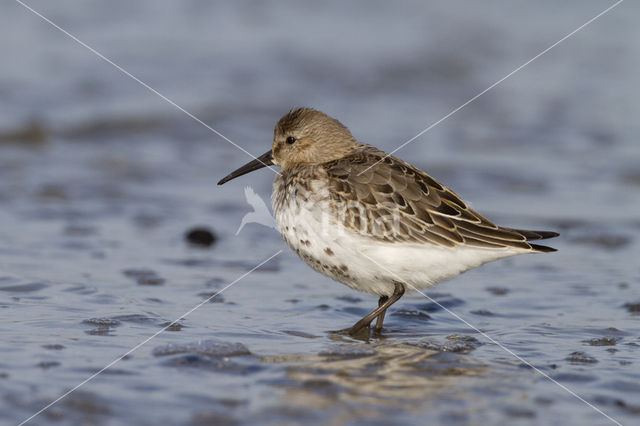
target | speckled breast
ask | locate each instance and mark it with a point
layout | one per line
(303, 213)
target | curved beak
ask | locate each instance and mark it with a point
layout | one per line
(263, 161)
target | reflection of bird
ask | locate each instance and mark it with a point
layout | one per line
(260, 213)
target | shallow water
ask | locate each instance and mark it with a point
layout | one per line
(101, 179)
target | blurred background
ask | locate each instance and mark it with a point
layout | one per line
(101, 179)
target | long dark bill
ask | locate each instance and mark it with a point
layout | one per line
(263, 161)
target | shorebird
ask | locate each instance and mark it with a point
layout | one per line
(370, 220)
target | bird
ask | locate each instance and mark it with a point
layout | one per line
(260, 213)
(370, 220)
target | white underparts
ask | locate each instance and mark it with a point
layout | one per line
(315, 233)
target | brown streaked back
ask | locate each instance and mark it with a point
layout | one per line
(395, 202)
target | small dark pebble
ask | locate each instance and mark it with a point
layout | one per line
(100, 331)
(633, 307)
(483, 312)
(135, 273)
(230, 402)
(54, 347)
(543, 400)
(603, 341)
(525, 366)
(200, 236)
(102, 322)
(463, 338)
(79, 230)
(212, 296)
(580, 358)
(48, 364)
(144, 276)
(134, 318)
(498, 291)
(151, 281)
(172, 326)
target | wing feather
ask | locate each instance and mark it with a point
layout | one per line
(396, 202)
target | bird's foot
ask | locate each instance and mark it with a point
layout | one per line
(360, 326)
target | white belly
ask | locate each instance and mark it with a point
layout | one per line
(367, 264)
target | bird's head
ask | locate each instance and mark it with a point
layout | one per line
(304, 136)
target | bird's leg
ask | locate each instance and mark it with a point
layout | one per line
(381, 309)
(381, 301)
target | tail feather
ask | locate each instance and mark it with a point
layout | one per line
(542, 249)
(535, 235)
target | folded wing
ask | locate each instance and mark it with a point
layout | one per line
(396, 202)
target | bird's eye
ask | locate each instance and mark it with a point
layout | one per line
(291, 140)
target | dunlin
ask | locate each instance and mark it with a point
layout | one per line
(372, 221)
